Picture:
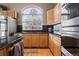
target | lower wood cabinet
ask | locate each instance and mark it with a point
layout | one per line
(1, 52)
(4, 52)
(44, 40)
(55, 45)
(27, 40)
(51, 44)
(35, 40)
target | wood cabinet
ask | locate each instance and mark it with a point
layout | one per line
(50, 17)
(53, 15)
(1, 52)
(51, 44)
(55, 45)
(44, 40)
(4, 52)
(57, 13)
(3, 13)
(27, 40)
(11, 13)
(7, 50)
(35, 40)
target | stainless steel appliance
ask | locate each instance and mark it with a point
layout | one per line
(3, 31)
(70, 32)
(7, 29)
(71, 28)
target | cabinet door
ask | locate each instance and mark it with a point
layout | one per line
(12, 13)
(3, 13)
(57, 13)
(3, 52)
(57, 46)
(50, 16)
(57, 50)
(35, 40)
(44, 40)
(27, 40)
(51, 43)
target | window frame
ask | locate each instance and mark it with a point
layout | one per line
(32, 18)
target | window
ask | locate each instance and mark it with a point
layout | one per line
(32, 18)
(65, 14)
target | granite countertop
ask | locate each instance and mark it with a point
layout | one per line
(56, 35)
(12, 40)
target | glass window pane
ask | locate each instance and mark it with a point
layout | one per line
(27, 23)
(27, 18)
(37, 28)
(37, 20)
(27, 27)
(32, 10)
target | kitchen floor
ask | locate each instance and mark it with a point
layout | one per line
(37, 52)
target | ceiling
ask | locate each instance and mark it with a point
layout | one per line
(18, 6)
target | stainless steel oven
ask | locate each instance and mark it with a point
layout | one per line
(70, 32)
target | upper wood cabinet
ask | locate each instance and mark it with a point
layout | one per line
(50, 17)
(53, 15)
(11, 13)
(3, 13)
(57, 13)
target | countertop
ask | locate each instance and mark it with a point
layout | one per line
(56, 35)
(35, 32)
(12, 40)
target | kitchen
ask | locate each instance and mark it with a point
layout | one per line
(38, 29)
